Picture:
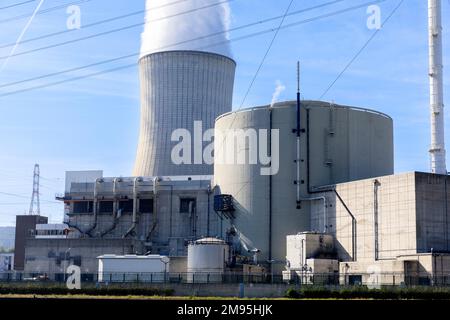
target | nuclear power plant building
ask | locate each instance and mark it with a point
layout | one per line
(346, 193)
(307, 191)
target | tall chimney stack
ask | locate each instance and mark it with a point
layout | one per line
(437, 150)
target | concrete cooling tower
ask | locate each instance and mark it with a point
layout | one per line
(177, 89)
(182, 81)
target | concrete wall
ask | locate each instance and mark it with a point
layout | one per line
(54, 256)
(412, 219)
(24, 226)
(432, 214)
(396, 217)
(178, 88)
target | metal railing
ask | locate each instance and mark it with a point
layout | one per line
(323, 279)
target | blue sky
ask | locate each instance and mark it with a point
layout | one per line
(93, 123)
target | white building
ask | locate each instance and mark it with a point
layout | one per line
(133, 268)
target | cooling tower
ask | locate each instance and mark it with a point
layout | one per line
(177, 89)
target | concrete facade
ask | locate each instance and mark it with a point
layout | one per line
(401, 224)
(168, 213)
(178, 88)
(25, 226)
(53, 256)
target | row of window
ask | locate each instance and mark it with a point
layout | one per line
(126, 206)
(187, 205)
(51, 232)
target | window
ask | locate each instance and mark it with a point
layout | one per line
(355, 280)
(146, 205)
(187, 205)
(106, 207)
(83, 207)
(126, 206)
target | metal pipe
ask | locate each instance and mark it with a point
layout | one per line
(115, 209)
(135, 198)
(193, 212)
(433, 267)
(446, 213)
(354, 239)
(95, 207)
(171, 209)
(298, 160)
(115, 195)
(376, 184)
(437, 150)
(155, 207)
(208, 194)
(270, 189)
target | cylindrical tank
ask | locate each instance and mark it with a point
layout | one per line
(177, 89)
(206, 260)
(337, 144)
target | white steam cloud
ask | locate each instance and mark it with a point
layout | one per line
(170, 25)
(278, 90)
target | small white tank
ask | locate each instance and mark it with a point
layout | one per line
(206, 260)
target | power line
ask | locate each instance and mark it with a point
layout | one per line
(86, 26)
(16, 4)
(136, 54)
(63, 6)
(96, 35)
(360, 51)
(69, 80)
(22, 33)
(264, 58)
(23, 196)
(51, 179)
(165, 47)
(6, 204)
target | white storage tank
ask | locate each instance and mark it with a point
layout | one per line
(133, 268)
(207, 259)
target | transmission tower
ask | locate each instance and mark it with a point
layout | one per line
(35, 206)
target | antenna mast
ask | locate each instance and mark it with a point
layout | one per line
(437, 150)
(35, 194)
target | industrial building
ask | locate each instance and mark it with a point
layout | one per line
(397, 224)
(337, 144)
(25, 226)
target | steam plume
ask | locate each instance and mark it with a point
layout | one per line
(278, 90)
(161, 33)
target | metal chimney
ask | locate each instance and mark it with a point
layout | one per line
(437, 150)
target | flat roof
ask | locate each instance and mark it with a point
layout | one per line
(307, 104)
(131, 256)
